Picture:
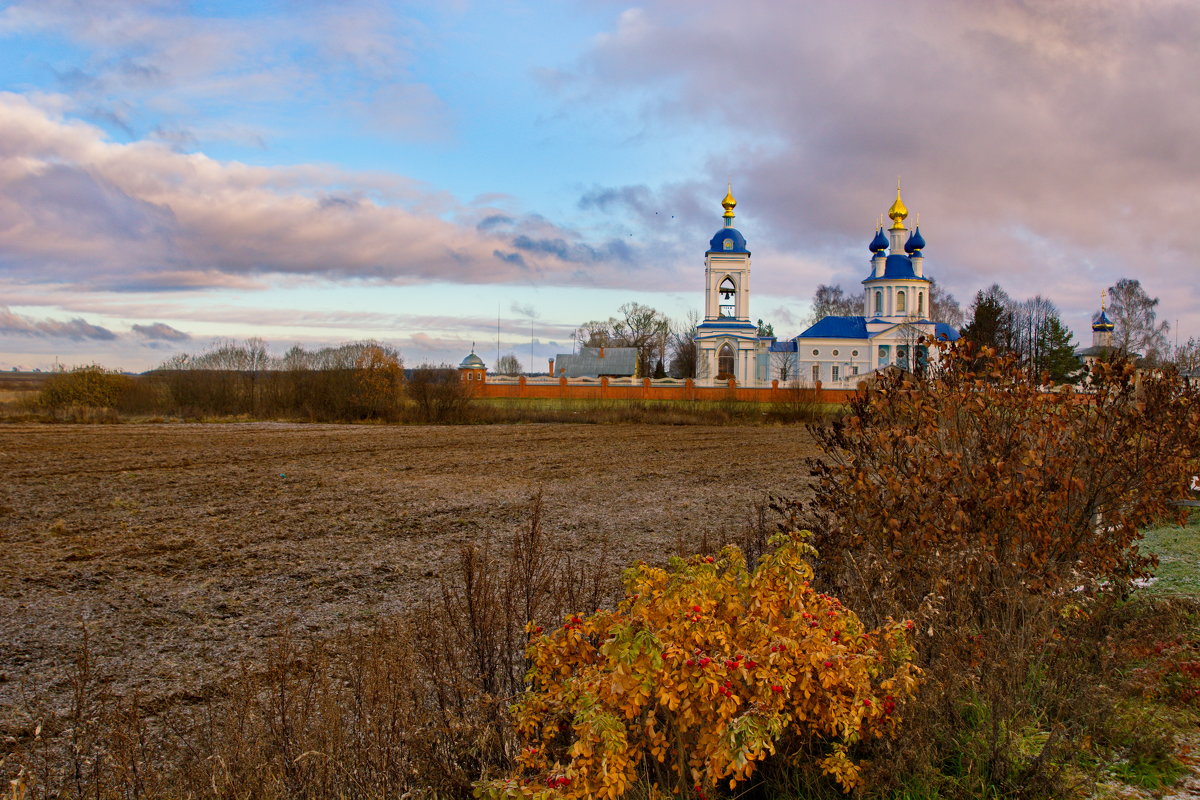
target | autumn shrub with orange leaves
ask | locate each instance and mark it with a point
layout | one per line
(703, 671)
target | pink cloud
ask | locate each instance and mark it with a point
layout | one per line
(77, 208)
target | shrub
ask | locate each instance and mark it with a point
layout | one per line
(993, 512)
(438, 395)
(90, 387)
(704, 671)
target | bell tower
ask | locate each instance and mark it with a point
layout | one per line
(727, 271)
(727, 339)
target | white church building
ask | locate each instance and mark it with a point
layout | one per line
(837, 351)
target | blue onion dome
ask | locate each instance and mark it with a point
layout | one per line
(880, 241)
(472, 362)
(916, 242)
(1102, 322)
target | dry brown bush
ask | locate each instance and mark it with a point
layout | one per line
(993, 514)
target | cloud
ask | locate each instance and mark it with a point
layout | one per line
(160, 331)
(1046, 145)
(76, 329)
(78, 209)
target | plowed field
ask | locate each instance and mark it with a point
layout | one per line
(180, 548)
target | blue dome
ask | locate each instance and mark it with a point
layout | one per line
(1102, 322)
(880, 242)
(915, 243)
(717, 243)
(896, 266)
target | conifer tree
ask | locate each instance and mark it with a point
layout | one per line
(1058, 352)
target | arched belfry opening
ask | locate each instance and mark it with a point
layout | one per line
(725, 362)
(728, 294)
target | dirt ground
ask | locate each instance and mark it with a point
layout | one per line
(180, 548)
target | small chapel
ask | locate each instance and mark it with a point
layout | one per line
(837, 351)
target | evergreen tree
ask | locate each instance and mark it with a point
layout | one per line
(1058, 352)
(659, 370)
(991, 321)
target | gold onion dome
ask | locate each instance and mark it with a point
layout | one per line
(729, 203)
(898, 212)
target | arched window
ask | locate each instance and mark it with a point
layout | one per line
(921, 303)
(728, 292)
(901, 307)
(878, 302)
(725, 363)
(727, 244)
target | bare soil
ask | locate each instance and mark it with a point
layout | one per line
(183, 548)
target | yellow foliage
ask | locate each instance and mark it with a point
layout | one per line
(702, 672)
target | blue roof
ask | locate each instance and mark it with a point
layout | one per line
(717, 243)
(1102, 322)
(789, 346)
(945, 330)
(897, 266)
(838, 328)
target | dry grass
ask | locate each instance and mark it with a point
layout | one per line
(182, 548)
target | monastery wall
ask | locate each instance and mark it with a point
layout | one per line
(648, 389)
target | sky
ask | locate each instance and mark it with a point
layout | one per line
(437, 176)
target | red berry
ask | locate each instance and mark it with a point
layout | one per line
(691, 662)
(776, 688)
(696, 609)
(828, 664)
(751, 664)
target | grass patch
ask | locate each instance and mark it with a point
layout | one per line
(1178, 551)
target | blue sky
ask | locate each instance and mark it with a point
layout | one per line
(307, 172)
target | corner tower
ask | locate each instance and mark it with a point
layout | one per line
(727, 339)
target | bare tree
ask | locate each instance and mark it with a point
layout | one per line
(1137, 329)
(509, 364)
(943, 307)
(596, 333)
(682, 344)
(783, 367)
(1186, 356)
(642, 327)
(832, 301)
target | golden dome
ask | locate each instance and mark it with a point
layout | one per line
(898, 212)
(729, 203)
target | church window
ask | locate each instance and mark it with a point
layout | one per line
(883, 353)
(920, 302)
(878, 302)
(816, 372)
(816, 352)
(728, 244)
(854, 370)
(835, 352)
(834, 374)
(727, 291)
(725, 363)
(855, 354)
(901, 306)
